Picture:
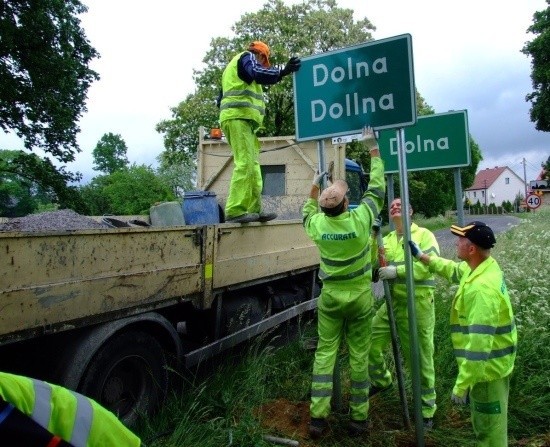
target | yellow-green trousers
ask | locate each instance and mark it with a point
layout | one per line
(342, 313)
(245, 190)
(381, 339)
(489, 407)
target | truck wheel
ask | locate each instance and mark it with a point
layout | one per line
(128, 375)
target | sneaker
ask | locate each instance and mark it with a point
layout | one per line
(379, 389)
(317, 426)
(243, 218)
(264, 217)
(357, 428)
(428, 423)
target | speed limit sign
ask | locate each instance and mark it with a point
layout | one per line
(533, 201)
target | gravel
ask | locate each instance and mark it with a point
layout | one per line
(52, 220)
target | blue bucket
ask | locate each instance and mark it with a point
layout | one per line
(200, 208)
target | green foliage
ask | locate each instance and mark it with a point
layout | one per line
(311, 27)
(546, 169)
(29, 183)
(44, 74)
(539, 50)
(179, 176)
(128, 191)
(110, 154)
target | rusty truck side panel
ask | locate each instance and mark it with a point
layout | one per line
(80, 277)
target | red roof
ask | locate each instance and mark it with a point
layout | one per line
(486, 177)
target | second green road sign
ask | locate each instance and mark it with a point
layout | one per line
(436, 141)
(341, 91)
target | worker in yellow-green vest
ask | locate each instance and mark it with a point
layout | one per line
(34, 413)
(483, 330)
(242, 111)
(344, 308)
(424, 284)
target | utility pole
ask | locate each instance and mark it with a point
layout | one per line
(525, 178)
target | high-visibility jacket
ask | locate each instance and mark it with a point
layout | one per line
(424, 282)
(240, 100)
(344, 241)
(75, 418)
(483, 330)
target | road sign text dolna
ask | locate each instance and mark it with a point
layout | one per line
(351, 103)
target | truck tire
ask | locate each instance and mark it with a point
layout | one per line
(128, 376)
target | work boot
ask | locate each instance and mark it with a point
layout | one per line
(358, 428)
(428, 423)
(243, 218)
(379, 389)
(264, 217)
(317, 427)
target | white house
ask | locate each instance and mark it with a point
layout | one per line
(495, 185)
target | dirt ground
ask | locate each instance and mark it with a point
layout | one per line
(290, 420)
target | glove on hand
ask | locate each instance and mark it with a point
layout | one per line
(377, 224)
(293, 64)
(318, 179)
(389, 272)
(415, 250)
(464, 400)
(368, 136)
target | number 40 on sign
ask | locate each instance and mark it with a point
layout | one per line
(533, 201)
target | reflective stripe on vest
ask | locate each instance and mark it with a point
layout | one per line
(43, 409)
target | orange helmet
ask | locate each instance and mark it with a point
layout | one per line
(260, 48)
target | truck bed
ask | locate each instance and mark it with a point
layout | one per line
(55, 281)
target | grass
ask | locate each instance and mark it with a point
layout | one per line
(222, 407)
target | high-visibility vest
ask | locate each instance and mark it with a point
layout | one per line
(240, 100)
(73, 417)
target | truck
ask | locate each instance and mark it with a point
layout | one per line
(113, 312)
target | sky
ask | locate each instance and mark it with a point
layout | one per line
(466, 56)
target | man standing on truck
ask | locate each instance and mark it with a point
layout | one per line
(36, 413)
(242, 110)
(345, 304)
(424, 285)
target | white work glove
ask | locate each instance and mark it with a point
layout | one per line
(318, 179)
(369, 138)
(415, 250)
(389, 272)
(464, 400)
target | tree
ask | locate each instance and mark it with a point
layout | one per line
(44, 74)
(44, 79)
(39, 181)
(127, 191)
(546, 170)
(311, 27)
(179, 176)
(539, 50)
(110, 154)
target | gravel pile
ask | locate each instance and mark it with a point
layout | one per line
(52, 220)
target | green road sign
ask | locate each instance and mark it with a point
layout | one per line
(436, 141)
(339, 92)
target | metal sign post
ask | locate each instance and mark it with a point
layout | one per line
(409, 280)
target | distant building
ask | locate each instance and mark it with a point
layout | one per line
(495, 185)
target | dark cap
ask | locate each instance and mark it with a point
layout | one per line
(477, 233)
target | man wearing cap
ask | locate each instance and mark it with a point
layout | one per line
(242, 110)
(345, 304)
(483, 331)
(424, 285)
